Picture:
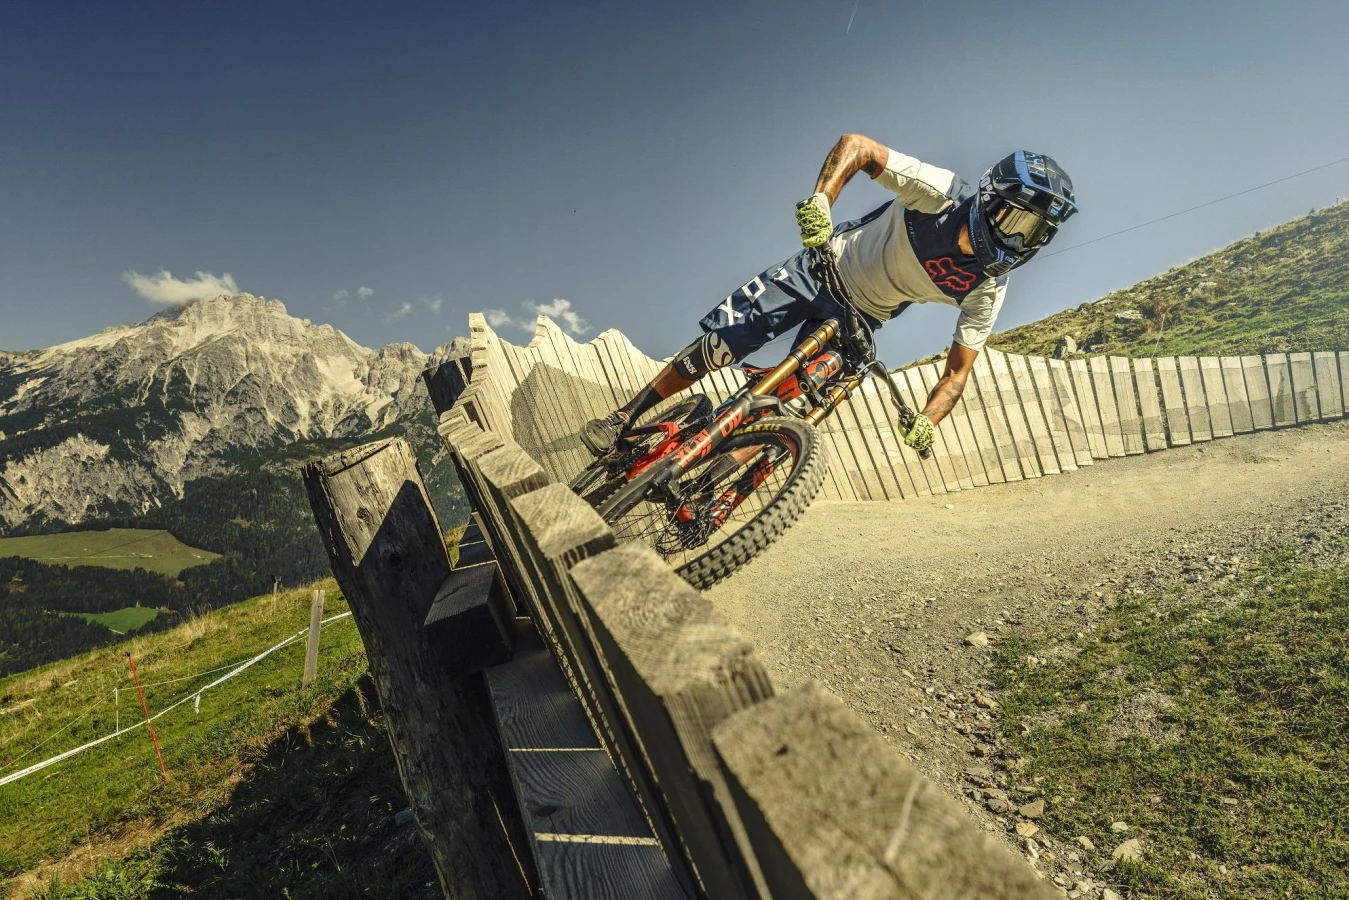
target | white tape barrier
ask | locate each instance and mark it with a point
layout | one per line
(37, 767)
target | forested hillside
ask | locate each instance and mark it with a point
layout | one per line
(1278, 290)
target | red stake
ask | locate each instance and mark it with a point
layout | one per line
(154, 740)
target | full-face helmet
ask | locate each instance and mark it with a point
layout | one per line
(1021, 203)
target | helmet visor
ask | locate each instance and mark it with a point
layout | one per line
(1020, 229)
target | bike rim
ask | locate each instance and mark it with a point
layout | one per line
(711, 490)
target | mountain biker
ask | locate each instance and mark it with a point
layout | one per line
(943, 242)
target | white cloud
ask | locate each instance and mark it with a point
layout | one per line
(559, 311)
(364, 292)
(432, 303)
(162, 287)
(342, 295)
(400, 312)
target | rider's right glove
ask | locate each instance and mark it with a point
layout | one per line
(920, 433)
(812, 215)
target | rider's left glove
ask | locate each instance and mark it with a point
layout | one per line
(812, 215)
(920, 433)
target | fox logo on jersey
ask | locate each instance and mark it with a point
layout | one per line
(945, 273)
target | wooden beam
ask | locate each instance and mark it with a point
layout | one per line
(1257, 391)
(1238, 404)
(678, 670)
(1173, 402)
(1154, 425)
(470, 624)
(389, 558)
(836, 814)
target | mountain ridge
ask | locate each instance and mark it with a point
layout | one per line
(122, 420)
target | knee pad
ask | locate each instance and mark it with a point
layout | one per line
(707, 354)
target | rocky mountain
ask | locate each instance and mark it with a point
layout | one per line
(120, 423)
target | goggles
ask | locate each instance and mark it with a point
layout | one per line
(1020, 229)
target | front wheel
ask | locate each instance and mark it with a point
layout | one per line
(728, 507)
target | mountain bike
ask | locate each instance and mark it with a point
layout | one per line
(711, 487)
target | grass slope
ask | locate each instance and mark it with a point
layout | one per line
(115, 548)
(274, 790)
(1216, 731)
(122, 620)
(1278, 290)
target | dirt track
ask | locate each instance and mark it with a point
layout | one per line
(900, 585)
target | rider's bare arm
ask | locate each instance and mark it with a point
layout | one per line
(947, 391)
(852, 154)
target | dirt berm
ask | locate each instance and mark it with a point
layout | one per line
(875, 600)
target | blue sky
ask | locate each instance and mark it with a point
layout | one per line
(637, 160)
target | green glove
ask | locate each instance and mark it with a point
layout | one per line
(920, 433)
(812, 215)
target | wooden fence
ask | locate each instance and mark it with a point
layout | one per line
(650, 752)
(1020, 417)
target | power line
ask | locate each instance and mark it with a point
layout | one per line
(1198, 206)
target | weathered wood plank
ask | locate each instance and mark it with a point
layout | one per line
(873, 429)
(865, 446)
(1106, 405)
(1016, 419)
(389, 558)
(1053, 410)
(1173, 402)
(1154, 425)
(1035, 416)
(1305, 404)
(676, 670)
(836, 814)
(991, 401)
(1091, 413)
(1126, 402)
(567, 789)
(1196, 403)
(886, 416)
(984, 440)
(1238, 406)
(1344, 378)
(1280, 389)
(1257, 392)
(1219, 416)
(1329, 391)
(1071, 410)
(471, 622)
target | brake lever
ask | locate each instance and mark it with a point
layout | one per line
(906, 415)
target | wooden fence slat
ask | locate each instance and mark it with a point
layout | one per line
(1035, 417)
(1304, 387)
(1280, 389)
(849, 472)
(1053, 409)
(1196, 404)
(856, 424)
(951, 451)
(1016, 419)
(1344, 379)
(1173, 402)
(991, 400)
(1091, 413)
(1126, 402)
(678, 670)
(1072, 411)
(1238, 406)
(1106, 405)
(836, 813)
(984, 441)
(879, 433)
(939, 477)
(1154, 425)
(1257, 392)
(1328, 387)
(1219, 415)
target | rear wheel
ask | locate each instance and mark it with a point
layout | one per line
(598, 481)
(728, 507)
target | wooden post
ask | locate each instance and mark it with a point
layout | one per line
(149, 723)
(311, 645)
(389, 559)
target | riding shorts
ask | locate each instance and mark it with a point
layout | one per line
(775, 301)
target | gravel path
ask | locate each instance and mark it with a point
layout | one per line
(879, 597)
